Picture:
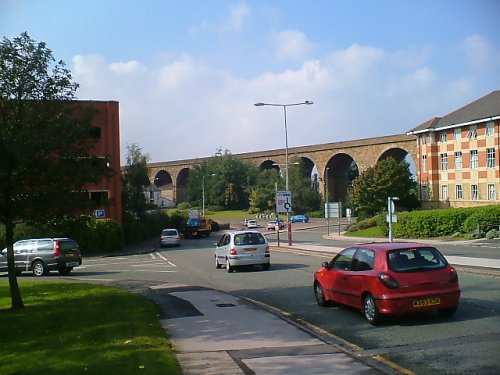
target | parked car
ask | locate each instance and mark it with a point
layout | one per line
(299, 219)
(389, 278)
(41, 255)
(272, 225)
(242, 248)
(170, 237)
(252, 224)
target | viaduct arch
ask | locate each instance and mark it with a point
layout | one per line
(338, 163)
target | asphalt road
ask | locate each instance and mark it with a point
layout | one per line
(424, 344)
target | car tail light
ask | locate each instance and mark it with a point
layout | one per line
(453, 276)
(56, 249)
(388, 280)
(233, 251)
(267, 250)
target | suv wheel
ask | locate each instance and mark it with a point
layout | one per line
(39, 268)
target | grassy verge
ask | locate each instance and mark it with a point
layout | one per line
(372, 232)
(69, 328)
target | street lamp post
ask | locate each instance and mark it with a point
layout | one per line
(203, 194)
(327, 204)
(307, 102)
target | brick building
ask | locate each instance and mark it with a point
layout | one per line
(458, 156)
(107, 192)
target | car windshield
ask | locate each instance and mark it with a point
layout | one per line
(249, 239)
(415, 259)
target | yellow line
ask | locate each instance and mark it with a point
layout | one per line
(393, 365)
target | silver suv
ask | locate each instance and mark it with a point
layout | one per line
(42, 255)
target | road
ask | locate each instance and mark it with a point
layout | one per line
(424, 344)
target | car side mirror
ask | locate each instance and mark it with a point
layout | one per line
(325, 265)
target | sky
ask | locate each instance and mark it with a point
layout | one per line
(188, 73)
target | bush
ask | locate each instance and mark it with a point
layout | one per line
(184, 206)
(483, 218)
(493, 233)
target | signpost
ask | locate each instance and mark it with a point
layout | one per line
(333, 209)
(283, 202)
(391, 218)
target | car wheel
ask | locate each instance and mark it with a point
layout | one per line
(217, 264)
(65, 270)
(320, 295)
(229, 268)
(266, 266)
(39, 268)
(446, 313)
(371, 311)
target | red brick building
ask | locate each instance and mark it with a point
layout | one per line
(458, 156)
(107, 192)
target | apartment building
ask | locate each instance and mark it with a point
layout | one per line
(458, 156)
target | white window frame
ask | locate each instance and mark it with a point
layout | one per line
(457, 134)
(474, 159)
(472, 132)
(423, 141)
(425, 192)
(459, 192)
(444, 192)
(491, 192)
(442, 137)
(490, 129)
(490, 157)
(424, 163)
(458, 160)
(474, 192)
(444, 161)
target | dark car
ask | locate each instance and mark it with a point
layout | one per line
(389, 278)
(41, 255)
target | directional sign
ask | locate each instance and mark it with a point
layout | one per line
(283, 202)
(100, 214)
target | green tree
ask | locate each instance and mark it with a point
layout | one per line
(387, 178)
(304, 197)
(45, 142)
(135, 180)
(263, 191)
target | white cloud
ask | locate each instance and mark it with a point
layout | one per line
(478, 50)
(292, 44)
(236, 18)
(127, 67)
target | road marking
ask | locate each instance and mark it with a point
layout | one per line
(166, 260)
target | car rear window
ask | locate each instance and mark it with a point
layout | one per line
(415, 259)
(67, 245)
(249, 239)
(169, 232)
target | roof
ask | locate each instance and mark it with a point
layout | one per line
(483, 109)
(387, 246)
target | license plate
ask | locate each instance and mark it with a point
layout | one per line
(72, 264)
(426, 302)
(250, 249)
(69, 254)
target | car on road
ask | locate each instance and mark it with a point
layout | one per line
(299, 219)
(275, 224)
(170, 237)
(252, 224)
(390, 278)
(242, 248)
(42, 255)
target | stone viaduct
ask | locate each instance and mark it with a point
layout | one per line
(332, 161)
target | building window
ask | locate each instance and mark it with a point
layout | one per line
(459, 192)
(474, 192)
(422, 139)
(457, 134)
(490, 157)
(472, 132)
(490, 129)
(444, 162)
(491, 192)
(425, 192)
(442, 137)
(99, 197)
(473, 159)
(444, 192)
(424, 163)
(458, 160)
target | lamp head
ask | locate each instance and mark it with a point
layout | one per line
(259, 104)
(308, 102)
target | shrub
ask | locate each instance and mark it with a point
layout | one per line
(184, 206)
(492, 233)
(483, 218)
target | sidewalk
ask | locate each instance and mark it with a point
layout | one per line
(213, 332)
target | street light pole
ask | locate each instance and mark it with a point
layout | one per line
(327, 204)
(307, 102)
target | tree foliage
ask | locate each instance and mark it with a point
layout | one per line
(387, 178)
(46, 141)
(304, 197)
(135, 180)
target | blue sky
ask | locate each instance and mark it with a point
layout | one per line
(187, 73)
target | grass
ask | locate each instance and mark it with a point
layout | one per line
(372, 232)
(72, 328)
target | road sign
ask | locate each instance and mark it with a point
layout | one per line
(333, 209)
(283, 202)
(99, 214)
(393, 217)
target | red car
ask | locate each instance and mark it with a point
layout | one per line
(389, 278)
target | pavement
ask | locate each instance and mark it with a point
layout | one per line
(213, 332)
